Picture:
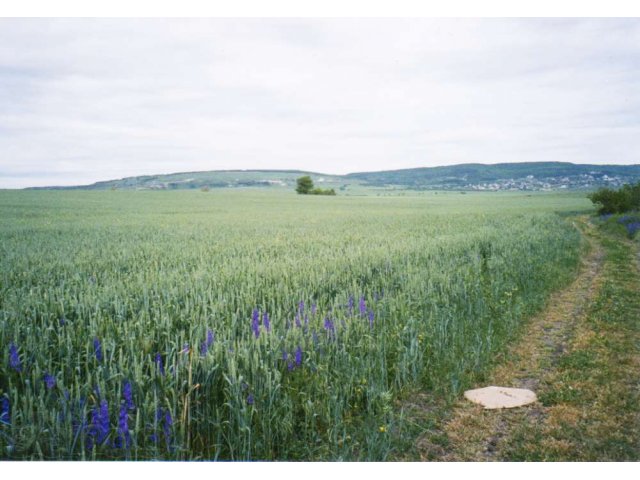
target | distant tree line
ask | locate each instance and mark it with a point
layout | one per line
(625, 199)
(305, 187)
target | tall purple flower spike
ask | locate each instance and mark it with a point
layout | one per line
(14, 358)
(255, 323)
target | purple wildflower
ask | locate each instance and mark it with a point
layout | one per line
(204, 348)
(371, 315)
(62, 321)
(266, 322)
(128, 396)
(290, 366)
(5, 411)
(250, 399)
(284, 355)
(328, 325)
(298, 356)
(124, 438)
(306, 320)
(363, 306)
(314, 308)
(350, 305)
(99, 429)
(97, 348)
(104, 421)
(301, 306)
(255, 322)
(298, 324)
(168, 422)
(185, 348)
(14, 358)
(159, 364)
(49, 381)
(632, 228)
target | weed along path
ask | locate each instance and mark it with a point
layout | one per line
(581, 356)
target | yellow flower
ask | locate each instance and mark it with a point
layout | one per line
(382, 429)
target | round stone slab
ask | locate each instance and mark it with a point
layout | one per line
(500, 397)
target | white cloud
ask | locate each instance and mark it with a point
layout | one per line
(85, 100)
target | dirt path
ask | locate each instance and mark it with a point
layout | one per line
(475, 434)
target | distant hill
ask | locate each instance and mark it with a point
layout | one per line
(501, 176)
(210, 179)
(472, 176)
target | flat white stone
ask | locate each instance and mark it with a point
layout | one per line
(500, 397)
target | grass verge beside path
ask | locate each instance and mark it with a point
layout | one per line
(582, 357)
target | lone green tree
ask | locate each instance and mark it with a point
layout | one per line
(305, 185)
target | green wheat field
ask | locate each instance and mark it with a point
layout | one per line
(253, 325)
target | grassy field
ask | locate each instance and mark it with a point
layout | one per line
(257, 325)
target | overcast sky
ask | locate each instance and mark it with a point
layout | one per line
(86, 100)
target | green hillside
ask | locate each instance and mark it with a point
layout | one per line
(213, 179)
(471, 175)
(504, 176)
